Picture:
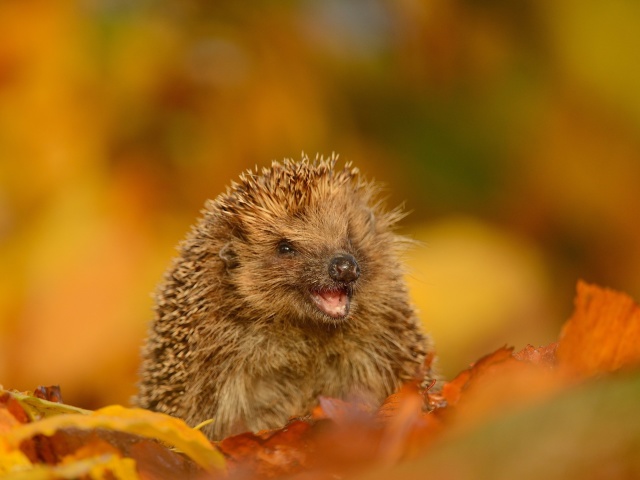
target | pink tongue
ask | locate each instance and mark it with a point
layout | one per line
(334, 303)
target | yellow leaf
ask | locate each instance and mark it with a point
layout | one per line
(37, 408)
(12, 460)
(94, 468)
(131, 420)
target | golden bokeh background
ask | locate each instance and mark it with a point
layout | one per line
(510, 129)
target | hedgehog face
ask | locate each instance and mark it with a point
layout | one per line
(308, 265)
(327, 283)
(306, 242)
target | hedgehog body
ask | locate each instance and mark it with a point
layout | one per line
(288, 288)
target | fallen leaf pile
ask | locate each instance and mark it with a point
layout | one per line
(566, 410)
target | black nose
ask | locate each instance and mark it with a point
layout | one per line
(344, 268)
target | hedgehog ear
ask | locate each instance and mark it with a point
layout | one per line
(228, 256)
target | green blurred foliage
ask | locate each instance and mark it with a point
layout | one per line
(511, 130)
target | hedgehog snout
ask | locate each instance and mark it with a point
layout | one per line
(344, 268)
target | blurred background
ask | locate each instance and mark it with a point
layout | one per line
(509, 129)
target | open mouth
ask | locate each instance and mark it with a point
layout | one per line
(332, 302)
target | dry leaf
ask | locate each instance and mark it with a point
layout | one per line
(136, 421)
(407, 428)
(540, 356)
(36, 408)
(452, 391)
(603, 333)
(94, 468)
(341, 437)
(270, 453)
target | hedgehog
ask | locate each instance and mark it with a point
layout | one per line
(288, 288)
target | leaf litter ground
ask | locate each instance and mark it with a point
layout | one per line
(566, 410)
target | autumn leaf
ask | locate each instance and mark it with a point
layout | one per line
(591, 432)
(36, 408)
(136, 421)
(270, 454)
(452, 391)
(407, 428)
(97, 467)
(541, 355)
(530, 414)
(603, 333)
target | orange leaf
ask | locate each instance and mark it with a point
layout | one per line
(603, 334)
(407, 428)
(13, 407)
(269, 453)
(452, 390)
(540, 356)
(7, 421)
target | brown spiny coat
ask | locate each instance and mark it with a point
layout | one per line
(242, 332)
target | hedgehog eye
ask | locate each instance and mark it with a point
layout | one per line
(285, 248)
